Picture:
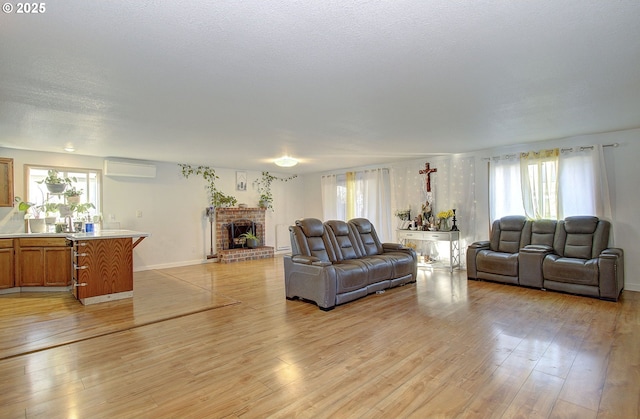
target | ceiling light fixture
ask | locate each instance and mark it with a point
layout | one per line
(69, 148)
(286, 161)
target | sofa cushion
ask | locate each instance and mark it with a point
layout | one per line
(497, 262)
(571, 270)
(350, 276)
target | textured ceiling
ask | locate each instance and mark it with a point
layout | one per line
(334, 83)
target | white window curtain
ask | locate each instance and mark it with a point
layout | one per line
(505, 191)
(583, 186)
(550, 184)
(366, 194)
(331, 196)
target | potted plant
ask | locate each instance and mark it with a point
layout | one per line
(73, 195)
(56, 184)
(251, 240)
(36, 224)
(81, 210)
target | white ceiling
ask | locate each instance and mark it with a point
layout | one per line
(334, 83)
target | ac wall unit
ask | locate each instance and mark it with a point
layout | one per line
(129, 169)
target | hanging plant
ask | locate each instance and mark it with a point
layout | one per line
(217, 198)
(264, 188)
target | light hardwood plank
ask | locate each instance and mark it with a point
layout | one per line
(443, 347)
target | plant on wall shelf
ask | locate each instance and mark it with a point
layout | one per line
(264, 188)
(55, 183)
(217, 198)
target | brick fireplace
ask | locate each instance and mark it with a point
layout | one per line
(233, 221)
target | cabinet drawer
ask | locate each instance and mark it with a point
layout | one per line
(6, 243)
(43, 242)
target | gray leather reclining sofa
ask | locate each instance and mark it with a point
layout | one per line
(336, 262)
(570, 255)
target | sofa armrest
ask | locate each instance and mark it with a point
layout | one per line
(307, 260)
(393, 246)
(537, 249)
(611, 266)
(612, 252)
(485, 244)
(472, 252)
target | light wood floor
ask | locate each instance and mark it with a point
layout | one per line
(442, 347)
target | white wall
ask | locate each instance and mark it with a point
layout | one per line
(623, 172)
(172, 207)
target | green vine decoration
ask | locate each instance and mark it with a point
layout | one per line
(217, 198)
(264, 188)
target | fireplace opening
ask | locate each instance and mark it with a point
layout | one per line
(235, 231)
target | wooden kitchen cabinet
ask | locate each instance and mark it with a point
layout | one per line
(42, 262)
(7, 279)
(103, 269)
(6, 182)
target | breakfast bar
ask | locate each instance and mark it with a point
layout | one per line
(96, 266)
(102, 265)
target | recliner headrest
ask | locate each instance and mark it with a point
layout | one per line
(311, 227)
(543, 226)
(512, 223)
(339, 228)
(580, 224)
(362, 224)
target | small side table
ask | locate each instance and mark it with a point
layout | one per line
(453, 237)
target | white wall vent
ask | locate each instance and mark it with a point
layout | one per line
(129, 168)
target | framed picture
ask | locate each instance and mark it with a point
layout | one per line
(241, 181)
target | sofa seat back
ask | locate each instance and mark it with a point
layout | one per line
(581, 237)
(510, 234)
(543, 232)
(309, 238)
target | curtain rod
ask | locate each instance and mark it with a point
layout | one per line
(563, 150)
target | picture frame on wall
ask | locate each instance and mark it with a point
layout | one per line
(241, 181)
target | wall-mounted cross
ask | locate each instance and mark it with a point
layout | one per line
(427, 171)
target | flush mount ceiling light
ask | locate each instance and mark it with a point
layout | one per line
(69, 148)
(285, 161)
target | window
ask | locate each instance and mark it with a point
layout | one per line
(86, 181)
(359, 194)
(551, 184)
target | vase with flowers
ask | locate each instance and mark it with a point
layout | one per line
(444, 216)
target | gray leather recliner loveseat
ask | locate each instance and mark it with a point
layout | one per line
(570, 255)
(336, 262)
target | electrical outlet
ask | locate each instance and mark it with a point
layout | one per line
(139, 213)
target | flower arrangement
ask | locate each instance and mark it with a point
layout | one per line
(445, 214)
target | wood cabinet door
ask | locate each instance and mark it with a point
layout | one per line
(6, 182)
(57, 266)
(31, 261)
(6, 268)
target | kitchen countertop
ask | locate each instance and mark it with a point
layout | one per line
(103, 234)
